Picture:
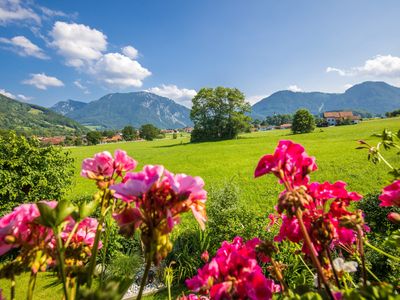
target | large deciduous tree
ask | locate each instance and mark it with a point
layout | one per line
(219, 113)
(303, 121)
(149, 132)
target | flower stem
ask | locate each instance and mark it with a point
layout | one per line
(95, 248)
(313, 253)
(381, 251)
(361, 250)
(71, 235)
(12, 288)
(31, 286)
(328, 253)
(104, 250)
(385, 161)
(60, 252)
(144, 278)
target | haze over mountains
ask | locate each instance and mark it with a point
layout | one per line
(373, 97)
(120, 109)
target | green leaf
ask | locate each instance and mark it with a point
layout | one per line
(47, 215)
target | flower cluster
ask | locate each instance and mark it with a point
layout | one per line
(233, 274)
(20, 229)
(323, 206)
(154, 199)
(103, 166)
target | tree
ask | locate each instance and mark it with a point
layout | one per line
(129, 133)
(219, 113)
(303, 121)
(93, 137)
(149, 132)
(30, 172)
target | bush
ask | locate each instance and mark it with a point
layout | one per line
(29, 172)
(303, 122)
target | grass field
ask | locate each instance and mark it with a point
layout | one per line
(219, 162)
(235, 160)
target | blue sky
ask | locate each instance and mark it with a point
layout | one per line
(57, 50)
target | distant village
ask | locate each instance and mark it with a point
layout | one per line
(327, 119)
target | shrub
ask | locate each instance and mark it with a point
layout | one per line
(29, 172)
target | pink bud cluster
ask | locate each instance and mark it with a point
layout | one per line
(233, 274)
(323, 205)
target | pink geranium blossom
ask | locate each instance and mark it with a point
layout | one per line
(84, 234)
(391, 195)
(103, 165)
(18, 228)
(290, 163)
(154, 199)
(233, 274)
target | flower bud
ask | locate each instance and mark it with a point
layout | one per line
(394, 218)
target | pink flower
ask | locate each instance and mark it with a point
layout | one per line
(84, 235)
(19, 229)
(98, 167)
(233, 274)
(136, 184)
(289, 163)
(123, 163)
(391, 195)
(154, 199)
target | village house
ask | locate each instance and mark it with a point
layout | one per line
(55, 140)
(335, 117)
(113, 139)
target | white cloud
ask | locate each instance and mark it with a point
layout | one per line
(23, 97)
(14, 10)
(180, 95)
(79, 85)
(130, 51)
(7, 94)
(52, 13)
(347, 86)
(254, 99)
(339, 71)
(378, 66)
(24, 47)
(78, 43)
(42, 81)
(116, 69)
(294, 88)
(12, 96)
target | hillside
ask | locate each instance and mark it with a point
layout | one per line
(34, 119)
(137, 108)
(65, 107)
(373, 97)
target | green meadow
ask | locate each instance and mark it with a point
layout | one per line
(235, 160)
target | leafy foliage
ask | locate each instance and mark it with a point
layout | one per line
(29, 173)
(149, 132)
(93, 137)
(129, 133)
(219, 114)
(303, 121)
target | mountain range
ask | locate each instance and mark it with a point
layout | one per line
(120, 109)
(374, 97)
(35, 119)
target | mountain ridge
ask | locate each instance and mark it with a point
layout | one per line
(376, 97)
(116, 110)
(35, 119)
